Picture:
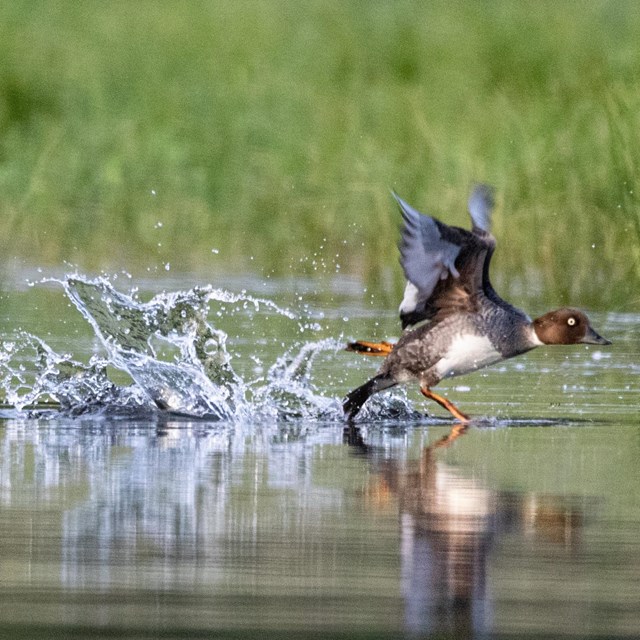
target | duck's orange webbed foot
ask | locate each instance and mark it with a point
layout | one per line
(367, 348)
(446, 404)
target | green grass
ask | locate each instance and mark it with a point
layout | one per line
(273, 132)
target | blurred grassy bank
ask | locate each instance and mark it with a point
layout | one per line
(221, 136)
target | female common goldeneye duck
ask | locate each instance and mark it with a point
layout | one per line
(454, 321)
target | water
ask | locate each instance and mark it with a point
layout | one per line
(174, 464)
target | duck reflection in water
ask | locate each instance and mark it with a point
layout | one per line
(448, 525)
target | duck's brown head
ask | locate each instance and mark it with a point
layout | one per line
(566, 326)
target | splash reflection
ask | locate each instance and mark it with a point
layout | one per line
(449, 523)
(153, 503)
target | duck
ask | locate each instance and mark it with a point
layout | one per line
(453, 320)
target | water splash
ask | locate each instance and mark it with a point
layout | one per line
(34, 375)
(290, 392)
(200, 381)
(178, 361)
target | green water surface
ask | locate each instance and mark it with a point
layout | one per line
(526, 525)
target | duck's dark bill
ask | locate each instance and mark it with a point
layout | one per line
(592, 337)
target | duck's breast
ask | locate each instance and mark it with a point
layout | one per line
(467, 352)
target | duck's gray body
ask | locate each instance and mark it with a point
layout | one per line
(458, 344)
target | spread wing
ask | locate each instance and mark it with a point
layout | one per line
(445, 266)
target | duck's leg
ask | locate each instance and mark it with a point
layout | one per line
(445, 404)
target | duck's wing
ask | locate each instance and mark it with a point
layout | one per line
(445, 266)
(480, 207)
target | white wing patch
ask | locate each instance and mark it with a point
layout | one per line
(466, 353)
(410, 299)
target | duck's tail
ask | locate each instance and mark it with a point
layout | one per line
(354, 400)
(371, 348)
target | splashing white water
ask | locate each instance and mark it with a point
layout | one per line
(34, 374)
(198, 378)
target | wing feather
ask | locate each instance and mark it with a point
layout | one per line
(444, 265)
(480, 204)
(426, 257)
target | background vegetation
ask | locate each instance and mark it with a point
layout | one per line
(135, 134)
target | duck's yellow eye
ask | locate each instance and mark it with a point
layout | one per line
(571, 321)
